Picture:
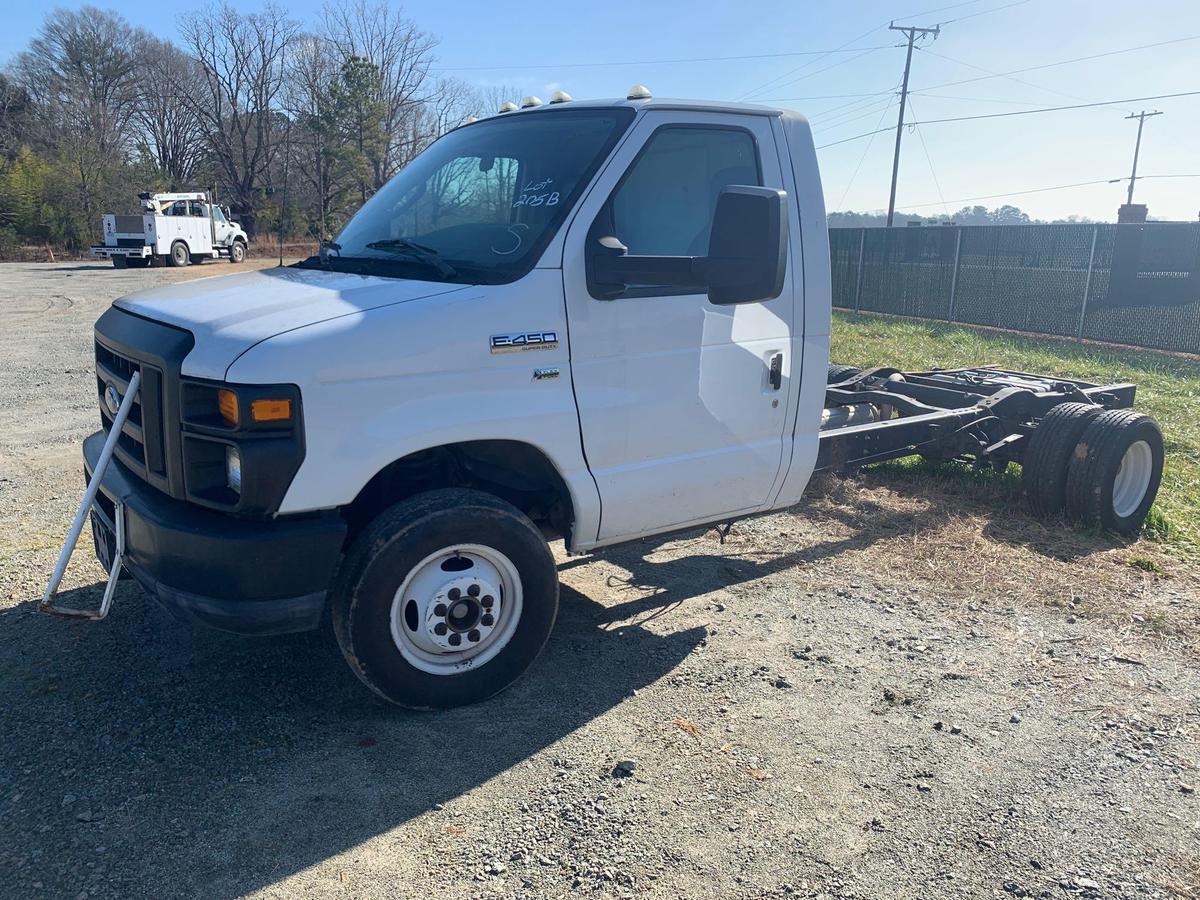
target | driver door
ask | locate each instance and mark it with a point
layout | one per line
(682, 403)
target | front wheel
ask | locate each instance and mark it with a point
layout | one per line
(237, 253)
(445, 599)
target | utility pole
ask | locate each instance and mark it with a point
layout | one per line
(912, 32)
(1137, 148)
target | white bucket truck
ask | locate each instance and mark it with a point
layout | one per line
(176, 229)
(597, 321)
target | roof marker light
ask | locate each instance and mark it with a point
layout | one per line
(560, 97)
(638, 92)
(530, 102)
(507, 106)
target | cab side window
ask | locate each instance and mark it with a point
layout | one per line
(664, 205)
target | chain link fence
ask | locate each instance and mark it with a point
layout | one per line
(1125, 284)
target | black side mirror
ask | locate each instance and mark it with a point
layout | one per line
(747, 248)
(747, 253)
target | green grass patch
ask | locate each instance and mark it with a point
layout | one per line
(1168, 388)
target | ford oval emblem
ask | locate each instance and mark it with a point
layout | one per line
(112, 400)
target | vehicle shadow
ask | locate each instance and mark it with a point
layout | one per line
(208, 764)
(996, 497)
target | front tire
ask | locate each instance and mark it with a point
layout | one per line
(445, 599)
(237, 253)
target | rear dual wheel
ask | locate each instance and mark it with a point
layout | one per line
(445, 599)
(838, 374)
(1102, 468)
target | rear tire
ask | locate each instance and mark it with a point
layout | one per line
(405, 578)
(838, 374)
(1115, 471)
(1051, 446)
(138, 262)
(179, 256)
(120, 262)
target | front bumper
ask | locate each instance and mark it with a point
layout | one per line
(104, 251)
(248, 576)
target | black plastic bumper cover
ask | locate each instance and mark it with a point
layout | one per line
(247, 576)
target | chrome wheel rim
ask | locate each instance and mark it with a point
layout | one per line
(1133, 479)
(457, 609)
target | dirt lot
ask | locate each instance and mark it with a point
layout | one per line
(901, 688)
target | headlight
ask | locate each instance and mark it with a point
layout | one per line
(233, 468)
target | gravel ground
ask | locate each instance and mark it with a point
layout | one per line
(893, 690)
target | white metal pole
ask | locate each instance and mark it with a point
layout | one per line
(89, 496)
(1087, 284)
(954, 274)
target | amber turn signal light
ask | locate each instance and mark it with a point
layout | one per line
(271, 410)
(227, 403)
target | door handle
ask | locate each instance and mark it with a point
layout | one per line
(775, 371)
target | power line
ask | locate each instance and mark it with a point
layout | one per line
(1057, 187)
(1040, 87)
(1018, 112)
(929, 159)
(984, 12)
(656, 62)
(862, 158)
(1062, 62)
(866, 52)
(771, 82)
(1027, 112)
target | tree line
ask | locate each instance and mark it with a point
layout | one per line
(97, 110)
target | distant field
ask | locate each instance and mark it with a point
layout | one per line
(1168, 388)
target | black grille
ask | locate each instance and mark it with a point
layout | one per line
(140, 445)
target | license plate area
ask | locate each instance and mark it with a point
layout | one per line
(104, 536)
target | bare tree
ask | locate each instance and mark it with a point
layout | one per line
(243, 59)
(171, 128)
(81, 71)
(377, 31)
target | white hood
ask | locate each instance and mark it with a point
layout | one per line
(230, 314)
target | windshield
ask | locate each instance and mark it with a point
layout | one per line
(482, 203)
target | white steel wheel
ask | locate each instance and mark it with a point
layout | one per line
(444, 599)
(1133, 478)
(457, 609)
(1115, 470)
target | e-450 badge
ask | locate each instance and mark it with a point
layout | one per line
(524, 340)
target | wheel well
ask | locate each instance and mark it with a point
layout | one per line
(514, 471)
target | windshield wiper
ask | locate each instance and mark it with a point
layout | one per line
(419, 252)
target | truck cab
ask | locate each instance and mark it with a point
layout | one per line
(590, 320)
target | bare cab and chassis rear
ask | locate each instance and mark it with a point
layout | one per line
(599, 321)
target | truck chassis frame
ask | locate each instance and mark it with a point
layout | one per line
(982, 414)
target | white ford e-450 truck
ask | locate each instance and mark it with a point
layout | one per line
(593, 320)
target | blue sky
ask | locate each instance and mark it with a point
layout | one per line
(537, 46)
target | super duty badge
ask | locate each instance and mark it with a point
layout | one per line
(524, 340)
